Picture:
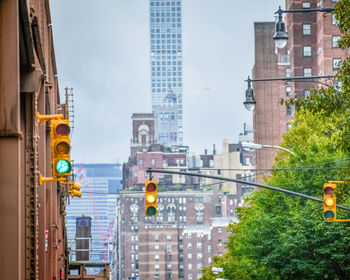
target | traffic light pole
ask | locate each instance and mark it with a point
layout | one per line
(150, 170)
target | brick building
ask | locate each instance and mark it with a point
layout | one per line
(311, 50)
(176, 244)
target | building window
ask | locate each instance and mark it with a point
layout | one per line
(169, 266)
(189, 245)
(156, 276)
(156, 257)
(189, 266)
(307, 72)
(306, 29)
(199, 265)
(287, 72)
(141, 161)
(156, 237)
(288, 91)
(168, 247)
(306, 5)
(306, 93)
(335, 40)
(199, 245)
(336, 63)
(169, 276)
(209, 249)
(334, 20)
(219, 229)
(189, 256)
(289, 110)
(156, 266)
(189, 235)
(189, 276)
(219, 242)
(307, 51)
(153, 161)
(199, 256)
(168, 237)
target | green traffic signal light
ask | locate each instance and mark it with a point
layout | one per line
(63, 166)
(151, 211)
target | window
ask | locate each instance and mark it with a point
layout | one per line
(335, 40)
(289, 110)
(287, 72)
(169, 266)
(168, 237)
(306, 93)
(307, 51)
(189, 245)
(168, 247)
(199, 245)
(156, 266)
(156, 257)
(306, 29)
(306, 5)
(156, 276)
(199, 256)
(289, 126)
(288, 91)
(189, 235)
(189, 256)
(199, 265)
(169, 276)
(141, 161)
(209, 249)
(307, 72)
(153, 161)
(336, 63)
(189, 276)
(156, 237)
(219, 230)
(334, 20)
(219, 242)
(189, 266)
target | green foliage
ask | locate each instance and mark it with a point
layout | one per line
(283, 237)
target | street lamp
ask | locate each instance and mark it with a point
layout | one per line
(259, 146)
(281, 36)
(250, 102)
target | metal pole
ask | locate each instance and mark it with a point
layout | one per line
(243, 182)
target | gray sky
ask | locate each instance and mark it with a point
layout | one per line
(102, 52)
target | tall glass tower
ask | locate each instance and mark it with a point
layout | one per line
(166, 70)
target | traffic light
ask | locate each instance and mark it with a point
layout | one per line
(151, 198)
(329, 202)
(74, 189)
(60, 144)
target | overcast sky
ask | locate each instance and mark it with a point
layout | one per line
(102, 52)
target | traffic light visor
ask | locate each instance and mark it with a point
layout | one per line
(151, 198)
(151, 187)
(328, 190)
(151, 211)
(329, 201)
(329, 214)
(62, 129)
(62, 148)
(63, 166)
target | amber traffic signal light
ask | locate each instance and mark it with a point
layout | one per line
(329, 202)
(74, 189)
(60, 147)
(151, 198)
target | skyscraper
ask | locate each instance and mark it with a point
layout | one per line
(166, 70)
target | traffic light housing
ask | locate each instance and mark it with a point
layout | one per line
(329, 202)
(74, 189)
(151, 198)
(60, 147)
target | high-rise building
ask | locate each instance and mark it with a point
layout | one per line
(166, 70)
(311, 50)
(99, 185)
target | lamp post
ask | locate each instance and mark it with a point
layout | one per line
(259, 146)
(250, 102)
(281, 36)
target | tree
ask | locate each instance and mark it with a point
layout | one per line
(283, 237)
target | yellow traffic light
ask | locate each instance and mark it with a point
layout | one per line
(60, 147)
(74, 189)
(330, 202)
(151, 198)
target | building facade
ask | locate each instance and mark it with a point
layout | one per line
(176, 244)
(311, 50)
(166, 70)
(99, 186)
